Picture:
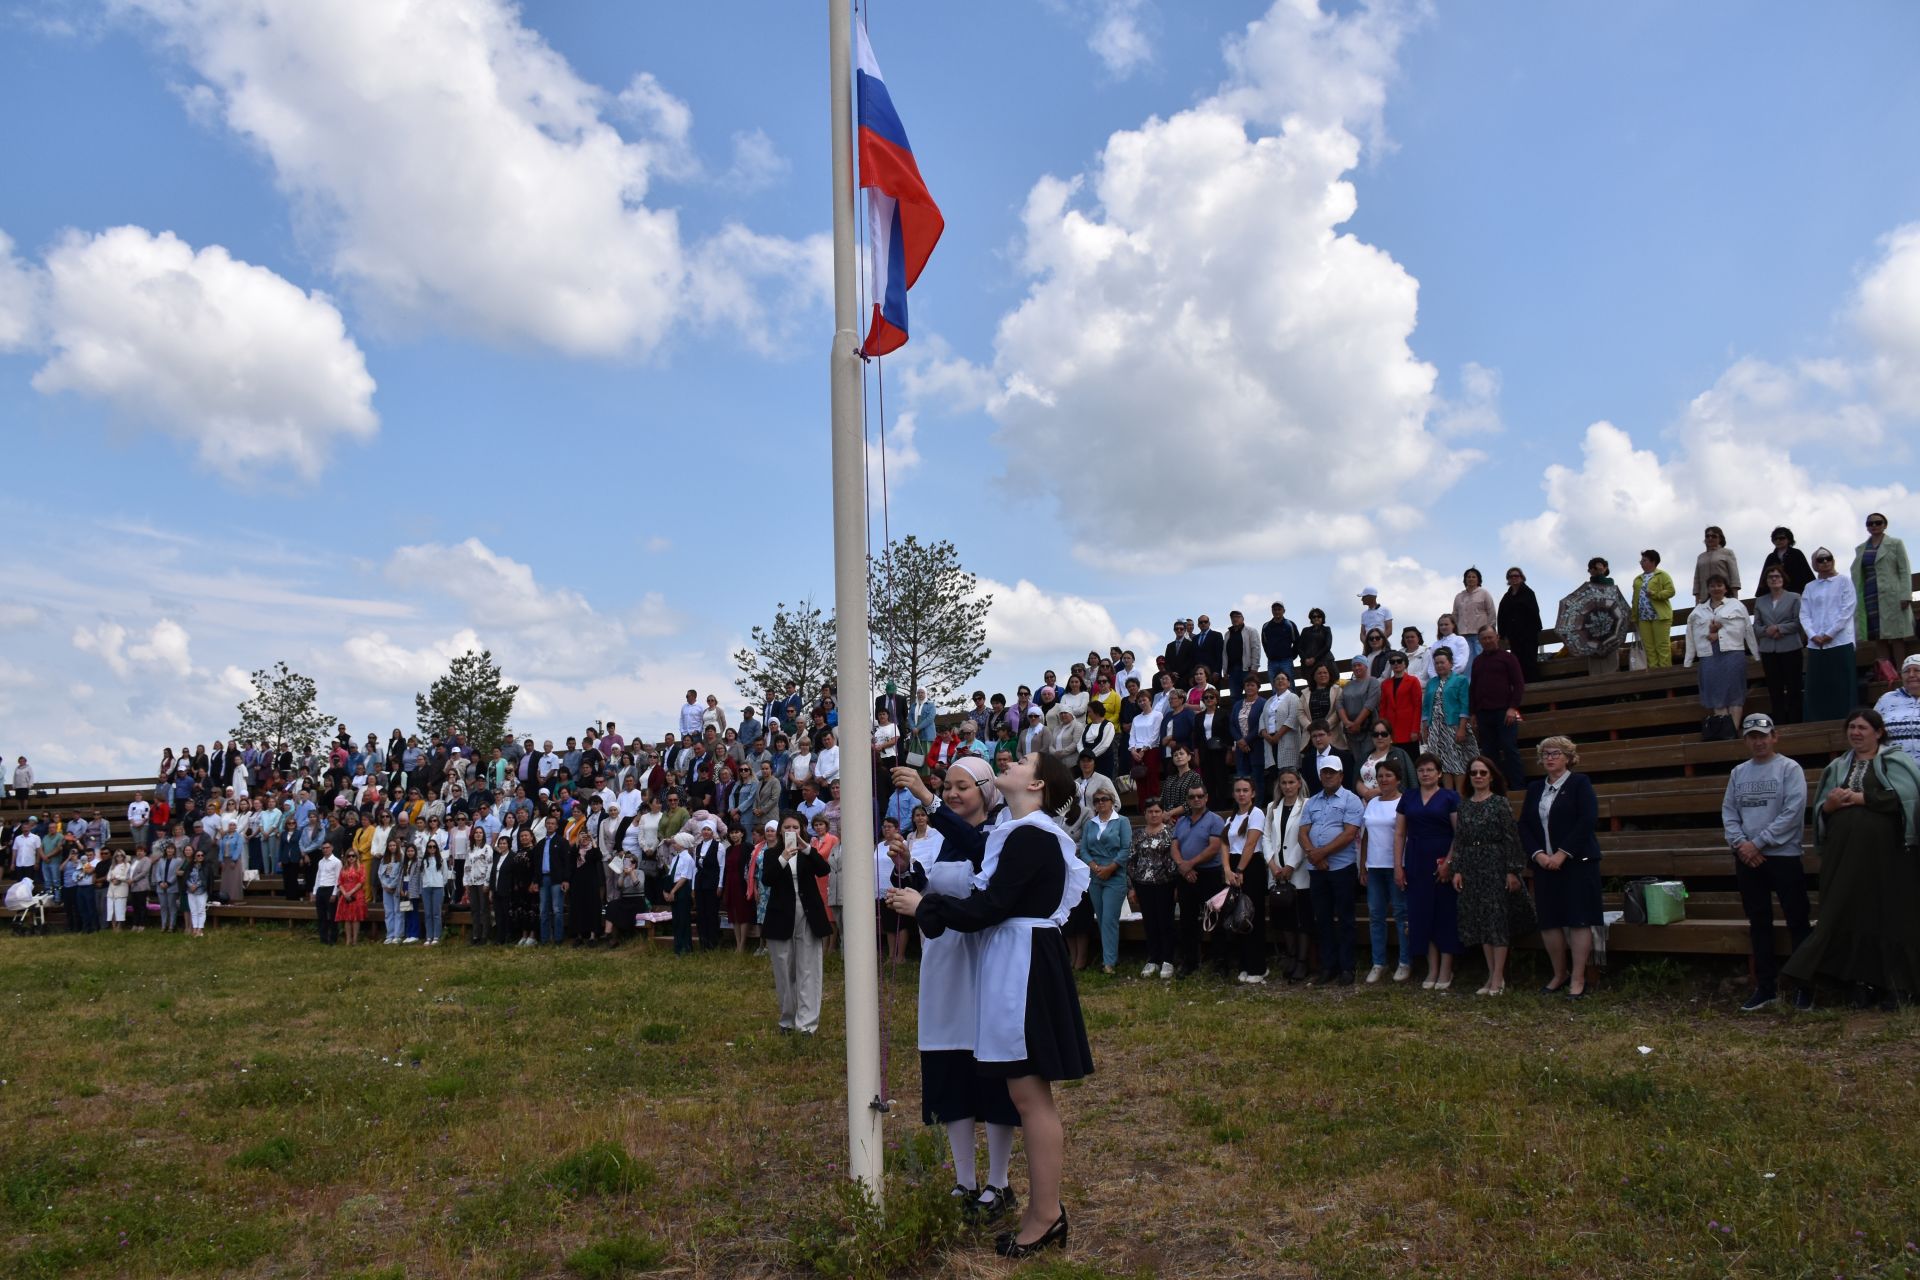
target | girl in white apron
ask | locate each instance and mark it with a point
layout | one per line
(953, 1093)
(1028, 1028)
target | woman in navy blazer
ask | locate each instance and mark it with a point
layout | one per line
(1557, 831)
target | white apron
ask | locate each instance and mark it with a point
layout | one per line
(1006, 950)
(949, 1005)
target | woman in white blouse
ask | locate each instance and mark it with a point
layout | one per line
(1292, 907)
(1826, 613)
(1445, 637)
(1720, 637)
(1074, 703)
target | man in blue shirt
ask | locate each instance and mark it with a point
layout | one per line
(750, 729)
(1329, 826)
(1199, 839)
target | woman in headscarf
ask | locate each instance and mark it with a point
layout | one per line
(1866, 822)
(953, 1093)
(1519, 624)
(1358, 705)
(1029, 1030)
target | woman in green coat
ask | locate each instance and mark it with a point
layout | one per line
(1866, 825)
(1883, 595)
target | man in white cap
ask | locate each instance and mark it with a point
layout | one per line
(1329, 827)
(1761, 816)
(1374, 616)
(1900, 708)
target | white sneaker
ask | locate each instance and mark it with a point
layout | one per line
(1373, 974)
(1404, 972)
(387, 942)
(1253, 979)
(1166, 969)
(1150, 970)
(408, 941)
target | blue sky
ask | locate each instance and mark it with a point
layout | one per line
(510, 330)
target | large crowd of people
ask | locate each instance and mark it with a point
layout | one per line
(1253, 758)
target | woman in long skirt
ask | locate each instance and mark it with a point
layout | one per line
(953, 1093)
(586, 906)
(1866, 822)
(1029, 1031)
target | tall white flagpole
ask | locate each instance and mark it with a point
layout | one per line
(866, 1150)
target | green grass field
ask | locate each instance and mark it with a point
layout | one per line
(254, 1104)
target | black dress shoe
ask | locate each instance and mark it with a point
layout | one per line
(984, 1211)
(1007, 1243)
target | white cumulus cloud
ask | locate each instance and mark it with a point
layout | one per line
(1027, 619)
(455, 169)
(246, 366)
(19, 298)
(1888, 314)
(1193, 290)
(1117, 37)
(1622, 497)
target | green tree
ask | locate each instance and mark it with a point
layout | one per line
(282, 710)
(471, 700)
(928, 617)
(798, 646)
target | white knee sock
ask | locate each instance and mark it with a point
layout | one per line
(999, 1153)
(965, 1167)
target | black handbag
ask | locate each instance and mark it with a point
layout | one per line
(1285, 892)
(1635, 904)
(1235, 914)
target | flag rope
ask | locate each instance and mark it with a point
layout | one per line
(884, 1102)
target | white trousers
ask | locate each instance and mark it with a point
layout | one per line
(197, 910)
(797, 967)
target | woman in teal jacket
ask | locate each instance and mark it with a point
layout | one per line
(1106, 843)
(1449, 729)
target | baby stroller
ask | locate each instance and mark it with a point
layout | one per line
(29, 908)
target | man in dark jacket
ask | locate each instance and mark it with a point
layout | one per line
(552, 868)
(1280, 641)
(796, 928)
(1180, 654)
(1208, 651)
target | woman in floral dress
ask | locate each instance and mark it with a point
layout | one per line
(1487, 863)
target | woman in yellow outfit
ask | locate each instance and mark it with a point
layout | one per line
(1653, 610)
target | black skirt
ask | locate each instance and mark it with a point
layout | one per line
(952, 1088)
(1057, 1046)
(1570, 897)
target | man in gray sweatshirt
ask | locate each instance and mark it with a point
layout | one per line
(1763, 816)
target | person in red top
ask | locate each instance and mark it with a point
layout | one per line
(1400, 705)
(944, 749)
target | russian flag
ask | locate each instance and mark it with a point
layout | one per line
(903, 223)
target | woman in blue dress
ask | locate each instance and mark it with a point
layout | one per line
(1429, 814)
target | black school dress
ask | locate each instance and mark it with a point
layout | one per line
(1027, 886)
(951, 1086)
